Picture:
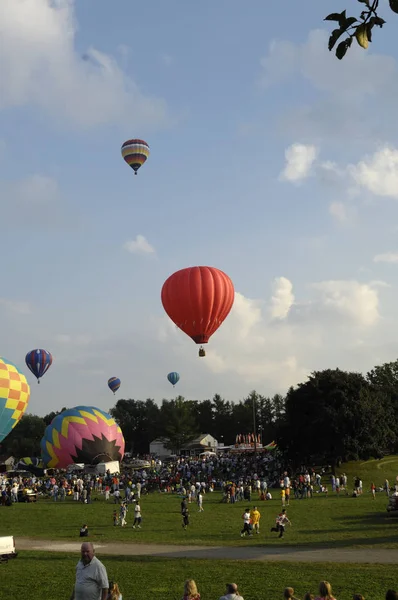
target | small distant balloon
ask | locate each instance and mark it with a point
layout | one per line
(114, 384)
(173, 378)
(38, 361)
(135, 153)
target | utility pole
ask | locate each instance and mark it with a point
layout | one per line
(254, 424)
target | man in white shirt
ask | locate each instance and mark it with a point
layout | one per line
(231, 592)
(91, 576)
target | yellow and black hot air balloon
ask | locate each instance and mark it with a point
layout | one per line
(135, 153)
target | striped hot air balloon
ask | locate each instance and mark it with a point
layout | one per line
(114, 384)
(83, 434)
(173, 378)
(135, 153)
(38, 361)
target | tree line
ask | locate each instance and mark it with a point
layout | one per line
(333, 416)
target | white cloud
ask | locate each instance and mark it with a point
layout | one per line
(341, 95)
(387, 257)
(378, 173)
(19, 307)
(167, 60)
(40, 66)
(338, 210)
(282, 298)
(299, 160)
(357, 302)
(35, 201)
(139, 246)
(253, 346)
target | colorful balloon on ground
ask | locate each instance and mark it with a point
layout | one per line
(173, 378)
(135, 153)
(38, 361)
(31, 464)
(197, 300)
(114, 384)
(14, 396)
(83, 434)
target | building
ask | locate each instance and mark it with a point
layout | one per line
(199, 444)
(158, 448)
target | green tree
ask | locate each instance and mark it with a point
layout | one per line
(178, 423)
(224, 426)
(48, 418)
(139, 422)
(335, 416)
(360, 27)
(24, 439)
(384, 379)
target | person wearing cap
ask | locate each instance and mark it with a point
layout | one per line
(231, 592)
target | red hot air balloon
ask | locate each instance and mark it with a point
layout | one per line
(197, 300)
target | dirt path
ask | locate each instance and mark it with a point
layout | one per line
(335, 555)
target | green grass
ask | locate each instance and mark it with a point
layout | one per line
(339, 521)
(44, 575)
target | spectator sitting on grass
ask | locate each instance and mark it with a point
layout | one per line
(288, 593)
(84, 531)
(231, 592)
(190, 590)
(325, 591)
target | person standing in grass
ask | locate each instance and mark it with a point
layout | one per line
(255, 517)
(246, 523)
(373, 490)
(137, 515)
(91, 576)
(200, 502)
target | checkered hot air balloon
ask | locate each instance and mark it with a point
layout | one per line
(38, 362)
(14, 396)
(135, 153)
(83, 434)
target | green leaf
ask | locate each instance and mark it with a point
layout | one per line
(378, 21)
(394, 5)
(342, 48)
(364, 2)
(333, 17)
(348, 22)
(334, 36)
(369, 31)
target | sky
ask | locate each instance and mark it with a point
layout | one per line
(270, 159)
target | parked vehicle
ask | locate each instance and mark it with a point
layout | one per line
(7, 548)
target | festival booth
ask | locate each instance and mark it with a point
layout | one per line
(250, 442)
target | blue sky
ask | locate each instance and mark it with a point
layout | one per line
(269, 159)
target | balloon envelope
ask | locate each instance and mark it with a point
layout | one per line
(198, 299)
(135, 153)
(114, 384)
(38, 361)
(14, 396)
(83, 434)
(173, 377)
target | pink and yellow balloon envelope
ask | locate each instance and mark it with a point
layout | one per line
(83, 434)
(14, 396)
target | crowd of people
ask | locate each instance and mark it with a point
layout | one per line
(92, 583)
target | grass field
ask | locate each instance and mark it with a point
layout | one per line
(51, 576)
(338, 522)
